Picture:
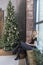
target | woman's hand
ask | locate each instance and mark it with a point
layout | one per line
(30, 44)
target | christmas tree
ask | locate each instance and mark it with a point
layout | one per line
(11, 29)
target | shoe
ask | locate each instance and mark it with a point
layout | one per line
(17, 58)
(14, 53)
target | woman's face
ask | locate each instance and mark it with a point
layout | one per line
(34, 33)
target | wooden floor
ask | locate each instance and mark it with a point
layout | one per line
(5, 53)
(22, 62)
(9, 53)
(8, 60)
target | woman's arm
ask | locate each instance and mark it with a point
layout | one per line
(35, 43)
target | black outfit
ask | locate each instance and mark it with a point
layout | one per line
(32, 40)
(28, 47)
(22, 47)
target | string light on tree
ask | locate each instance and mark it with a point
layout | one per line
(8, 18)
(10, 13)
(9, 34)
(7, 39)
(15, 28)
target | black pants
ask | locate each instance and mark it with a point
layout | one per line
(15, 49)
(26, 46)
(22, 48)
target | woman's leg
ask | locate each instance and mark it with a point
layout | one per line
(18, 54)
(15, 50)
(20, 51)
(25, 46)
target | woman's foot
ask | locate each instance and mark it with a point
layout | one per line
(17, 58)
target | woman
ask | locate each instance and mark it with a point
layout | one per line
(28, 46)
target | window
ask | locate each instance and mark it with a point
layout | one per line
(39, 22)
(39, 11)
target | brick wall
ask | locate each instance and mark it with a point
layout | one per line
(29, 19)
(1, 21)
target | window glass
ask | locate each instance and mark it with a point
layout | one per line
(41, 31)
(39, 11)
(39, 26)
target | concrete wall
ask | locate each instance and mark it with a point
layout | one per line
(21, 19)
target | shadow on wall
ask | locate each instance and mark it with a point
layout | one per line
(21, 19)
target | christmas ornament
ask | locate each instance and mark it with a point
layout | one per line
(10, 13)
(9, 34)
(15, 28)
(8, 18)
(7, 39)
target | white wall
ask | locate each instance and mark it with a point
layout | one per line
(3, 5)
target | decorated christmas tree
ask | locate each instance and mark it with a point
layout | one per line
(11, 29)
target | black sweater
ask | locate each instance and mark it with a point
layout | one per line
(32, 40)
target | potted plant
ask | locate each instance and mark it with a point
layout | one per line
(38, 56)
